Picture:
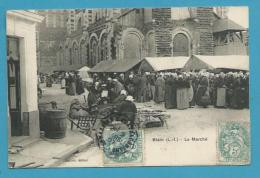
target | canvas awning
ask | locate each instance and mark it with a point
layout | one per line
(163, 63)
(226, 25)
(123, 65)
(237, 62)
(115, 66)
(102, 66)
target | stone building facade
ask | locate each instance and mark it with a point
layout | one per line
(132, 34)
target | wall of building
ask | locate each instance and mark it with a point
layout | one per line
(137, 33)
(22, 25)
(50, 34)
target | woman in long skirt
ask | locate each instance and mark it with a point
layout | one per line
(182, 94)
(191, 95)
(221, 97)
(159, 89)
(203, 98)
(170, 93)
(236, 100)
(220, 91)
(63, 83)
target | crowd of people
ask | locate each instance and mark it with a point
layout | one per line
(180, 90)
(70, 81)
(73, 84)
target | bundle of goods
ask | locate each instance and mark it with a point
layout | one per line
(152, 118)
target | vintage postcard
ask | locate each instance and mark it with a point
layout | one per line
(128, 87)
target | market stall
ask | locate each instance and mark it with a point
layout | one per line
(102, 66)
(123, 66)
(150, 64)
(235, 62)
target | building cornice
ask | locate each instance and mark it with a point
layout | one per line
(24, 14)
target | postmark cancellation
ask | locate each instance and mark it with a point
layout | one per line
(123, 147)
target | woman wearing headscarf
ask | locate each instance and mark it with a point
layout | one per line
(236, 101)
(159, 89)
(220, 90)
(79, 85)
(143, 88)
(130, 85)
(93, 97)
(170, 91)
(203, 98)
(182, 92)
(76, 110)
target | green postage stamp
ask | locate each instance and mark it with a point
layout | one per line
(123, 147)
(233, 143)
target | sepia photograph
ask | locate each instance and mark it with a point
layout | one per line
(116, 87)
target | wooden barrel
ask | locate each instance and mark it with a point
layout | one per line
(42, 114)
(56, 125)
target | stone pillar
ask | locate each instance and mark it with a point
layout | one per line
(162, 28)
(204, 27)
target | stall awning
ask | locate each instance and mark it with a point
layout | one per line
(102, 66)
(68, 68)
(226, 25)
(123, 65)
(165, 63)
(115, 66)
(237, 62)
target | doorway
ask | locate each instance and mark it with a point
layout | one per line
(14, 90)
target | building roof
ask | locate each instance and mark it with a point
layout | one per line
(238, 62)
(123, 65)
(115, 66)
(102, 66)
(167, 63)
(226, 25)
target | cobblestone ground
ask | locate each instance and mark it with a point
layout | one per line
(183, 124)
(55, 93)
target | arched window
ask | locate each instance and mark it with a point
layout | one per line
(103, 48)
(75, 53)
(82, 52)
(181, 45)
(93, 51)
(132, 47)
(70, 56)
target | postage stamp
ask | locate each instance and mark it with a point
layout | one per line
(233, 143)
(123, 147)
